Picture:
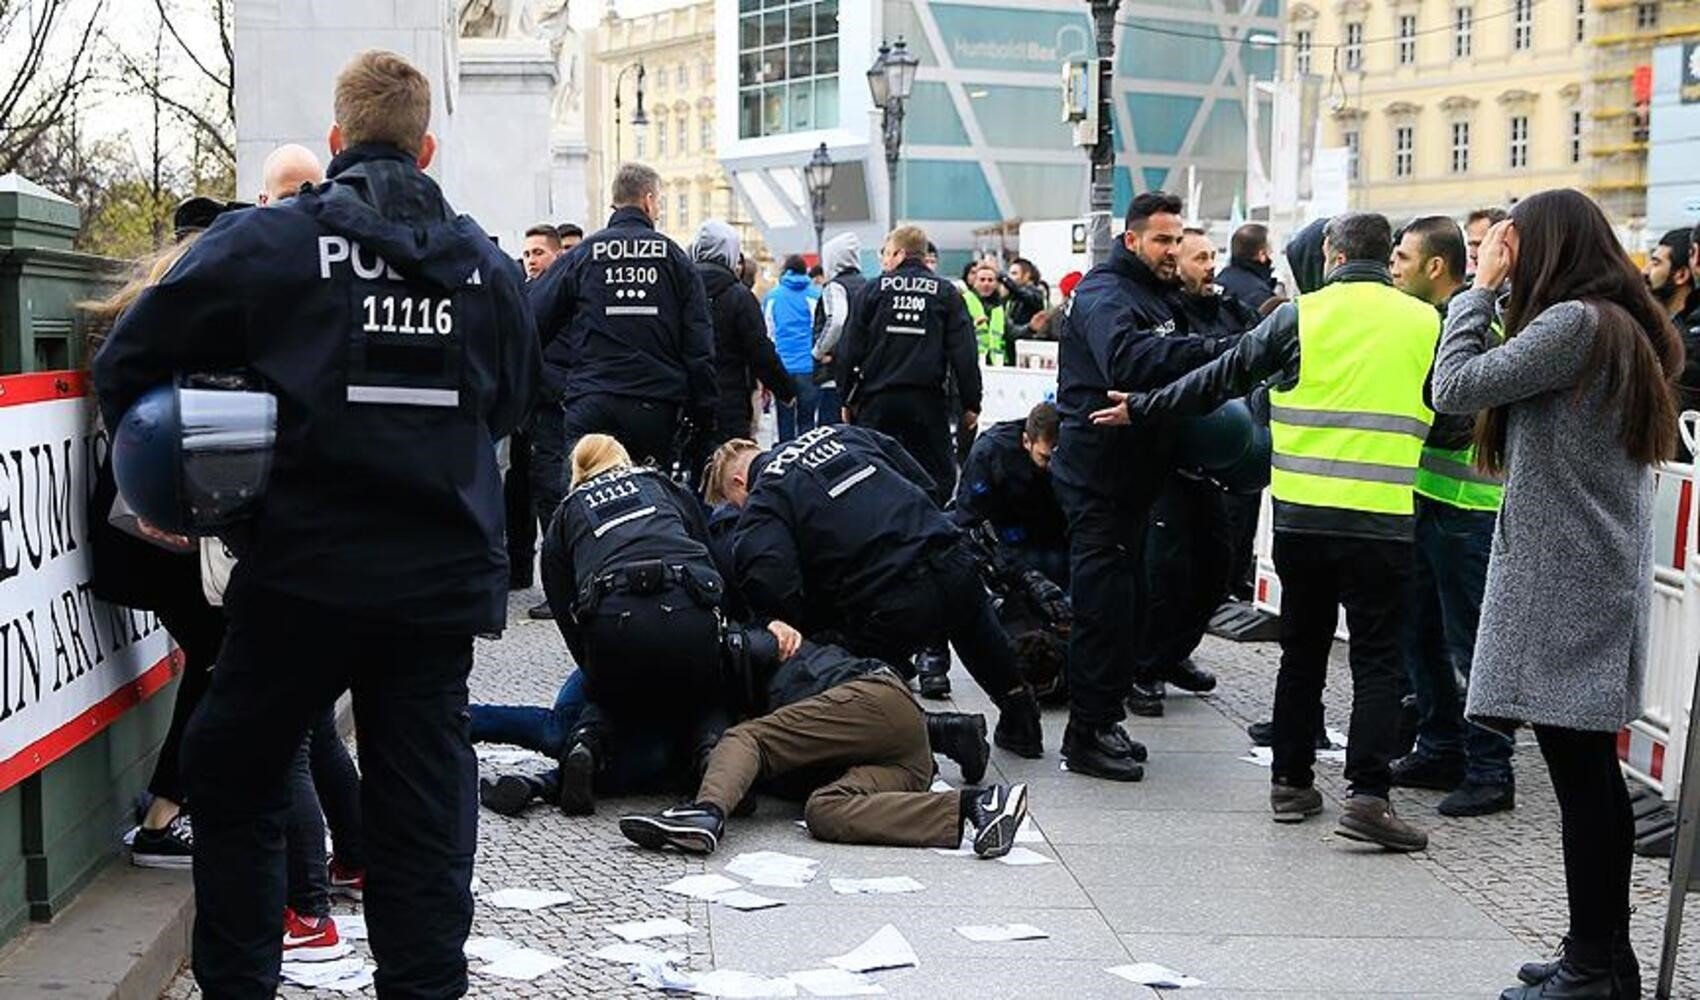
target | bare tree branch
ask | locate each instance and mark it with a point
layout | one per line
(18, 132)
(196, 119)
(165, 18)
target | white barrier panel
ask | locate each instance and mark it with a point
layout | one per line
(1010, 393)
(69, 664)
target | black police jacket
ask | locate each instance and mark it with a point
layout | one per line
(1251, 282)
(624, 314)
(626, 516)
(834, 519)
(398, 341)
(907, 329)
(1001, 485)
(1216, 315)
(1119, 332)
(743, 351)
(813, 670)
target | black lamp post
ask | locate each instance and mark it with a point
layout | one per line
(890, 80)
(1104, 151)
(819, 175)
(639, 118)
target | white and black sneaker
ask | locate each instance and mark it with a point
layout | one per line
(691, 829)
(993, 817)
(171, 846)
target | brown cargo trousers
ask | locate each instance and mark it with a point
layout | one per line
(872, 728)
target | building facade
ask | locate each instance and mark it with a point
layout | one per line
(984, 142)
(1630, 87)
(1447, 105)
(676, 51)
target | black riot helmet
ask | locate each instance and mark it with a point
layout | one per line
(193, 461)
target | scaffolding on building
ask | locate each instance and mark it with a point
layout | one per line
(1623, 34)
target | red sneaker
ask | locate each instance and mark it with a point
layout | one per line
(311, 939)
(349, 883)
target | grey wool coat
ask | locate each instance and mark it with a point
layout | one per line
(1563, 635)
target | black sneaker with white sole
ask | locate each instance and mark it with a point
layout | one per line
(993, 817)
(171, 846)
(692, 829)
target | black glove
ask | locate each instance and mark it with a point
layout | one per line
(1052, 603)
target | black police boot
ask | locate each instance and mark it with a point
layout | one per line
(993, 816)
(509, 794)
(1146, 699)
(1103, 752)
(1575, 979)
(579, 764)
(962, 738)
(694, 829)
(1018, 729)
(933, 668)
(1189, 676)
(541, 612)
(1262, 734)
(1626, 968)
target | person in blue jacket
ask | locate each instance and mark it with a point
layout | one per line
(790, 312)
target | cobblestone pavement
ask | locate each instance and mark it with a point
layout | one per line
(1505, 869)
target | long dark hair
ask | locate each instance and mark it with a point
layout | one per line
(1567, 251)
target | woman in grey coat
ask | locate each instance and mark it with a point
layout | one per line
(1579, 408)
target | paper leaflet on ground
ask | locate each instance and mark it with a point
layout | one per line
(1020, 857)
(703, 887)
(774, 869)
(885, 885)
(1261, 756)
(477, 885)
(1152, 974)
(741, 985)
(1001, 932)
(836, 983)
(637, 954)
(350, 926)
(527, 899)
(507, 757)
(522, 963)
(662, 976)
(743, 899)
(643, 930)
(1027, 833)
(315, 975)
(356, 982)
(488, 949)
(941, 785)
(887, 949)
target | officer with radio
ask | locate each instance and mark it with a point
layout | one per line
(628, 342)
(396, 341)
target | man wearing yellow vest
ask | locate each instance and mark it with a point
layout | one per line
(991, 319)
(1456, 509)
(1349, 362)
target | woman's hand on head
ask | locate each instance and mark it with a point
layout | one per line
(1496, 257)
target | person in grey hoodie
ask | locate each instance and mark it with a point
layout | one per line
(743, 354)
(842, 257)
(1579, 409)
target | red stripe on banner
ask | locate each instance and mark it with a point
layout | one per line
(42, 387)
(1263, 589)
(98, 716)
(1684, 504)
(1657, 770)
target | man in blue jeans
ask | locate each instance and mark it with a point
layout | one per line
(790, 313)
(1456, 509)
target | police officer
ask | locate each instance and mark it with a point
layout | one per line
(397, 341)
(1349, 425)
(1007, 485)
(628, 339)
(839, 536)
(1120, 331)
(909, 329)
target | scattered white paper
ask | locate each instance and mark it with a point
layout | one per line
(527, 899)
(1027, 833)
(941, 785)
(963, 850)
(662, 976)
(637, 954)
(742, 985)
(354, 983)
(1261, 756)
(1152, 974)
(316, 974)
(643, 930)
(875, 886)
(523, 963)
(744, 899)
(1022, 856)
(1001, 932)
(477, 885)
(488, 949)
(887, 949)
(774, 869)
(1336, 737)
(1331, 756)
(351, 926)
(836, 983)
(506, 756)
(703, 887)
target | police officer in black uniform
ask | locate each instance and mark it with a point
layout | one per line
(839, 536)
(1007, 484)
(909, 328)
(397, 341)
(624, 317)
(1120, 331)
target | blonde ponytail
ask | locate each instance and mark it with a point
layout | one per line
(595, 454)
(718, 479)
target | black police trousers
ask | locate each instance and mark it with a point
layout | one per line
(1188, 562)
(648, 428)
(548, 468)
(919, 420)
(941, 599)
(1106, 538)
(281, 666)
(521, 515)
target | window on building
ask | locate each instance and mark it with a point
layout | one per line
(1354, 45)
(1404, 150)
(682, 134)
(683, 207)
(1354, 148)
(1646, 16)
(705, 201)
(660, 83)
(1463, 27)
(1522, 24)
(1575, 135)
(681, 76)
(1518, 157)
(661, 208)
(1301, 50)
(1581, 20)
(1407, 39)
(661, 138)
(1460, 147)
(705, 72)
(787, 67)
(705, 133)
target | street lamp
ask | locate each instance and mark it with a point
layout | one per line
(639, 118)
(819, 175)
(890, 80)
(1103, 155)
